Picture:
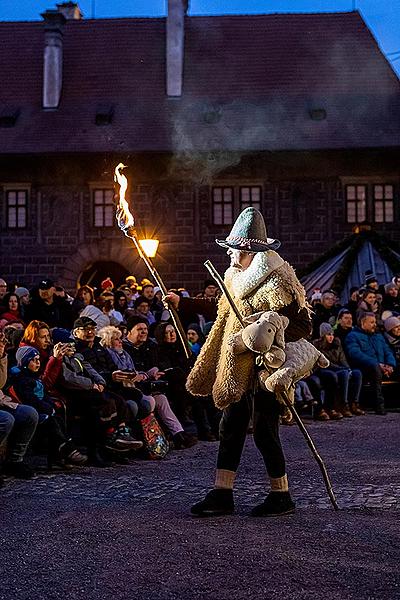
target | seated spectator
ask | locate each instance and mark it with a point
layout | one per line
(105, 302)
(352, 304)
(173, 362)
(209, 289)
(3, 290)
(392, 335)
(96, 314)
(84, 296)
(88, 344)
(195, 337)
(120, 302)
(107, 285)
(156, 305)
(24, 299)
(17, 427)
(13, 336)
(369, 351)
(368, 303)
(144, 353)
(302, 395)
(37, 334)
(344, 324)
(30, 390)
(391, 300)
(11, 309)
(130, 293)
(142, 309)
(141, 405)
(85, 393)
(46, 306)
(347, 381)
(324, 312)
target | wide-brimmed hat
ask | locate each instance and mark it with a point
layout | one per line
(249, 233)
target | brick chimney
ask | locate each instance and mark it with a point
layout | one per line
(52, 58)
(177, 10)
(70, 10)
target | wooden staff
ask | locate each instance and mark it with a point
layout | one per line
(214, 273)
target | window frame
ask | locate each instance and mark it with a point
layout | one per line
(236, 203)
(16, 188)
(356, 202)
(104, 205)
(384, 202)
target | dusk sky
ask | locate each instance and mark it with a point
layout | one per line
(382, 16)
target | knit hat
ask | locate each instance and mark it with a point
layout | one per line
(21, 291)
(135, 320)
(391, 322)
(249, 233)
(106, 283)
(388, 286)
(325, 329)
(25, 354)
(58, 334)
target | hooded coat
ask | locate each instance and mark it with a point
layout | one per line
(269, 283)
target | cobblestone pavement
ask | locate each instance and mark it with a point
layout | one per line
(125, 532)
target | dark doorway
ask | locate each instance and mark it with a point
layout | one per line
(98, 271)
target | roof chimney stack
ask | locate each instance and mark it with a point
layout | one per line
(52, 58)
(177, 10)
(70, 10)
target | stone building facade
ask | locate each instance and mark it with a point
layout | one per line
(315, 177)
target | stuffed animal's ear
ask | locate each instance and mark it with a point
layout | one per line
(253, 318)
(280, 338)
(285, 321)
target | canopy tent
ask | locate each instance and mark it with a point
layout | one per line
(345, 265)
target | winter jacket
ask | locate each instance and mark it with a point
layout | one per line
(78, 374)
(5, 400)
(269, 283)
(333, 352)
(145, 356)
(57, 314)
(394, 344)
(365, 350)
(123, 360)
(31, 390)
(98, 357)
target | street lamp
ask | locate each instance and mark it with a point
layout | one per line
(149, 247)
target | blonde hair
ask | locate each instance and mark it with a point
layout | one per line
(107, 334)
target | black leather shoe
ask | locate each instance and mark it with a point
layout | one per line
(274, 505)
(217, 503)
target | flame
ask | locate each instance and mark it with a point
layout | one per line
(124, 216)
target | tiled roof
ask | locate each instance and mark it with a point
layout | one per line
(249, 84)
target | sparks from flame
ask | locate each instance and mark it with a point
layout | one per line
(124, 216)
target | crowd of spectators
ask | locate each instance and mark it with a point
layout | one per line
(79, 374)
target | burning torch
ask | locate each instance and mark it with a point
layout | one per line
(126, 223)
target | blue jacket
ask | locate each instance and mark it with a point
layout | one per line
(368, 349)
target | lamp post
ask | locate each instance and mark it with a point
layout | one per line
(149, 247)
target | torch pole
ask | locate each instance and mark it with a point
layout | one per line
(214, 273)
(131, 234)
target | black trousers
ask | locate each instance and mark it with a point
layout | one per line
(233, 429)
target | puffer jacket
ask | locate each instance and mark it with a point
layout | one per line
(334, 352)
(78, 374)
(366, 350)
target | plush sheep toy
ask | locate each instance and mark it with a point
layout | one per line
(285, 363)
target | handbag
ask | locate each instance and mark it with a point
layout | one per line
(154, 440)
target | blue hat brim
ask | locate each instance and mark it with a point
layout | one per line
(254, 246)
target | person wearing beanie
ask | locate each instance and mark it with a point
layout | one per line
(17, 426)
(259, 280)
(30, 390)
(341, 384)
(391, 299)
(392, 335)
(107, 285)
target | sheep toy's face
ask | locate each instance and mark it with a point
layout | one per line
(265, 331)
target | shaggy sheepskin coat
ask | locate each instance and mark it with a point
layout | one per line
(269, 283)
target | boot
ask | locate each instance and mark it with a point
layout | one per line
(356, 410)
(217, 503)
(345, 411)
(335, 415)
(274, 505)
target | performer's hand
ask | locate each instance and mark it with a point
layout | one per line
(172, 299)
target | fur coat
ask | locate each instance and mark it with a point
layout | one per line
(269, 283)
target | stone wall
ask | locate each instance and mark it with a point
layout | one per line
(302, 202)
